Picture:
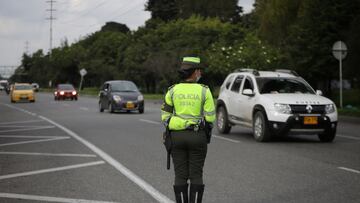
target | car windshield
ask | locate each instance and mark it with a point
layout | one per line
(124, 86)
(283, 85)
(23, 87)
(65, 87)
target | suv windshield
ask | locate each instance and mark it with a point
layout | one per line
(123, 86)
(282, 85)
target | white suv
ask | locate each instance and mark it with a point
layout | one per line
(274, 103)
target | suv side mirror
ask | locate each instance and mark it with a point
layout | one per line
(248, 92)
(319, 92)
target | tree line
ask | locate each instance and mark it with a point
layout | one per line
(290, 34)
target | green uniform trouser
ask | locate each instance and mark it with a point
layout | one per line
(188, 154)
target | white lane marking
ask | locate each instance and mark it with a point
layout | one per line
(349, 169)
(48, 199)
(213, 135)
(224, 138)
(33, 141)
(63, 168)
(65, 104)
(17, 122)
(31, 136)
(349, 137)
(84, 108)
(24, 126)
(27, 129)
(47, 154)
(150, 121)
(117, 165)
(20, 109)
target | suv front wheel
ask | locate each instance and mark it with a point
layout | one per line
(327, 136)
(261, 130)
(222, 122)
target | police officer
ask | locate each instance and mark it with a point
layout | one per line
(187, 111)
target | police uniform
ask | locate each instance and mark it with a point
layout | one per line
(186, 107)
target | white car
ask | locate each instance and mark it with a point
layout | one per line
(274, 103)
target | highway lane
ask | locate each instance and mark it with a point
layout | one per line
(238, 169)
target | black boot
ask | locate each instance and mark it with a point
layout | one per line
(196, 193)
(181, 193)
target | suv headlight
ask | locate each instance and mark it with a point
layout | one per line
(117, 98)
(140, 98)
(329, 108)
(282, 108)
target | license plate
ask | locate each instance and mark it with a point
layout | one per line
(130, 105)
(310, 120)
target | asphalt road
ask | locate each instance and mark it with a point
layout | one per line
(67, 151)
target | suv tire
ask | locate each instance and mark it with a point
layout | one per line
(261, 129)
(222, 122)
(100, 107)
(111, 110)
(327, 136)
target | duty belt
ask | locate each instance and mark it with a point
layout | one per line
(193, 127)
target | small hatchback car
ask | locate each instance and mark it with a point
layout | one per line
(120, 95)
(22, 92)
(65, 91)
(274, 103)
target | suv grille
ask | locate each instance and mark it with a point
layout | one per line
(301, 109)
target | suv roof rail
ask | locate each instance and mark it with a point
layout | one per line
(253, 71)
(287, 71)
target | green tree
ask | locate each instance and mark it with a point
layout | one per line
(165, 10)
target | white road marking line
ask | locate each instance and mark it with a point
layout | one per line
(27, 129)
(65, 104)
(63, 168)
(349, 169)
(349, 137)
(24, 126)
(84, 108)
(117, 165)
(31, 136)
(47, 154)
(215, 136)
(48, 199)
(224, 138)
(17, 122)
(149, 121)
(33, 141)
(20, 109)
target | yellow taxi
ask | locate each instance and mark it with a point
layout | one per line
(22, 92)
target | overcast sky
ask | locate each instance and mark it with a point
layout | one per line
(25, 20)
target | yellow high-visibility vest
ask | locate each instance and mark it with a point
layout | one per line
(186, 104)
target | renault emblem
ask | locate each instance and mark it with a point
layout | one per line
(309, 108)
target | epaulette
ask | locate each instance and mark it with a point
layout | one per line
(204, 86)
(171, 86)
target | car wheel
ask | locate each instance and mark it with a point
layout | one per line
(327, 136)
(261, 130)
(141, 110)
(111, 110)
(222, 122)
(75, 98)
(100, 107)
